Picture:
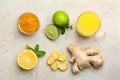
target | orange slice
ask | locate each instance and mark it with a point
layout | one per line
(27, 59)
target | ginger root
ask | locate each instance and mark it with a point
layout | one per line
(57, 61)
(50, 60)
(83, 58)
(55, 54)
(54, 66)
(62, 57)
(63, 66)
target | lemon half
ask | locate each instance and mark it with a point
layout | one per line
(27, 59)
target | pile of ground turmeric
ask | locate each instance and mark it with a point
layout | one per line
(28, 23)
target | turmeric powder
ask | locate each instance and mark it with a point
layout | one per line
(28, 23)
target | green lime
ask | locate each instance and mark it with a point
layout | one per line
(51, 31)
(61, 19)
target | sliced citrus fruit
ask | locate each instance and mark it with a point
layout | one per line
(27, 59)
(88, 24)
(28, 23)
(51, 31)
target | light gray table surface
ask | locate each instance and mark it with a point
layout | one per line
(107, 40)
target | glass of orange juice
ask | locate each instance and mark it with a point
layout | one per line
(88, 24)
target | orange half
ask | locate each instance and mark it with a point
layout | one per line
(27, 59)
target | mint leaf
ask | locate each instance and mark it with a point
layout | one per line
(69, 26)
(40, 53)
(36, 47)
(30, 48)
(36, 50)
(62, 30)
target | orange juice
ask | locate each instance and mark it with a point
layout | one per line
(88, 24)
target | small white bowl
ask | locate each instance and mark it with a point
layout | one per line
(26, 14)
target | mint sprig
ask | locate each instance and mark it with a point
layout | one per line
(63, 29)
(36, 50)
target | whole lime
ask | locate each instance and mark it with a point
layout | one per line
(61, 19)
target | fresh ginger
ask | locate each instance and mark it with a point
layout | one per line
(55, 54)
(83, 58)
(50, 60)
(56, 57)
(54, 66)
(63, 66)
(62, 57)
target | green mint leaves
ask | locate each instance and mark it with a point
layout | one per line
(62, 30)
(38, 52)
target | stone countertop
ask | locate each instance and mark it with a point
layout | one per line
(12, 41)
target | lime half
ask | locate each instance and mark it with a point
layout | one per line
(51, 31)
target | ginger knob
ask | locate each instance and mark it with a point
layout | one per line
(83, 58)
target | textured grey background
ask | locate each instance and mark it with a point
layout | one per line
(107, 40)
